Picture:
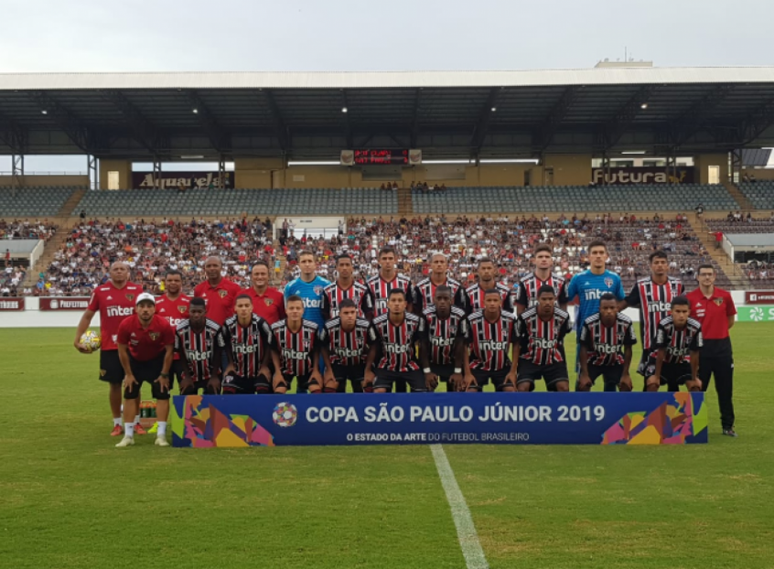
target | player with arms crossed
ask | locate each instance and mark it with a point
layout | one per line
(539, 353)
(486, 281)
(678, 342)
(526, 289)
(424, 292)
(114, 301)
(653, 296)
(396, 335)
(344, 346)
(146, 344)
(346, 288)
(246, 340)
(491, 335)
(296, 350)
(447, 331)
(195, 340)
(173, 305)
(606, 341)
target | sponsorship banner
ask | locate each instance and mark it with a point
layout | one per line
(431, 418)
(64, 303)
(759, 297)
(645, 175)
(11, 304)
(144, 180)
(759, 313)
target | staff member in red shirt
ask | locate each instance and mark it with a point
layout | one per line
(145, 346)
(217, 291)
(714, 309)
(268, 302)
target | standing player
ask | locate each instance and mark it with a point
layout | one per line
(425, 289)
(589, 286)
(396, 334)
(245, 341)
(606, 341)
(173, 305)
(268, 302)
(528, 286)
(195, 340)
(346, 287)
(675, 361)
(653, 296)
(380, 286)
(114, 301)
(217, 291)
(539, 353)
(344, 346)
(145, 347)
(447, 331)
(491, 336)
(714, 309)
(309, 286)
(486, 281)
(296, 350)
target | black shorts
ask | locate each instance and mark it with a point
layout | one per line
(530, 372)
(497, 377)
(177, 367)
(110, 368)
(147, 372)
(240, 385)
(343, 373)
(444, 372)
(672, 375)
(415, 379)
(610, 374)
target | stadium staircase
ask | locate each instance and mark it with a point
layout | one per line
(735, 275)
(405, 202)
(743, 201)
(53, 245)
(67, 209)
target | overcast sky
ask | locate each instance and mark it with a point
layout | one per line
(309, 35)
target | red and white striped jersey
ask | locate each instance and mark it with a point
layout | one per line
(655, 304)
(296, 349)
(443, 334)
(346, 348)
(678, 343)
(490, 342)
(380, 291)
(398, 343)
(247, 345)
(333, 294)
(199, 348)
(424, 294)
(525, 291)
(542, 341)
(476, 294)
(605, 344)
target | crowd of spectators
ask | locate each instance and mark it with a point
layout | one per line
(424, 188)
(27, 229)
(758, 271)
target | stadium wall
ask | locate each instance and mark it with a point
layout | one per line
(74, 181)
(124, 169)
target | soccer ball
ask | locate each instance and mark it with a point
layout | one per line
(91, 340)
(284, 414)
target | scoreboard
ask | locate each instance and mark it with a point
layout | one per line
(381, 156)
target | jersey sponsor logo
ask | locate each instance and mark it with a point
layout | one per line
(199, 356)
(659, 306)
(398, 348)
(607, 348)
(348, 352)
(291, 354)
(544, 344)
(492, 345)
(175, 321)
(675, 351)
(119, 311)
(442, 342)
(242, 349)
(594, 294)
(311, 303)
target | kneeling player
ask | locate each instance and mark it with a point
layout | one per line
(195, 346)
(296, 350)
(678, 343)
(540, 351)
(444, 343)
(396, 335)
(247, 341)
(344, 346)
(491, 334)
(145, 348)
(606, 342)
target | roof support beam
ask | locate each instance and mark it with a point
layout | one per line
(545, 133)
(143, 130)
(484, 118)
(75, 129)
(756, 123)
(279, 124)
(347, 125)
(415, 119)
(699, 115)
(13, 134)
(219, 138)
(609, 135)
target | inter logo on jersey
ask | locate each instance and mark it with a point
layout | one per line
(443, 333)
(655, 303)
(605, 344)
(295, 348)
(380, 291)
(490, 342)
(346, 348)
(198, 346)
(248, 344)
(678, 343)
(398, 343)
(542, 340)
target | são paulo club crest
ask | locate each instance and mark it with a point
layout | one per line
(130, 297)
(268, 301)
(285, 414)
(181, 309)
(609, 282)
(222, 293)
(318, 290)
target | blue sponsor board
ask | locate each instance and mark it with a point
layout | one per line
(429, 418)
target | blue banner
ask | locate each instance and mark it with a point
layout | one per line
(430, 418)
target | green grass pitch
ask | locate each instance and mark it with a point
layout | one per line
(68, 499)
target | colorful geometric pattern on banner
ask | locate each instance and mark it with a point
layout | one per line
(490, 418)
(758, 313)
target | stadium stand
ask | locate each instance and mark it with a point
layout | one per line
(27, 229)
(760, 193)
(33, 201)
(576, 198)
(346, 201)
(741, 224)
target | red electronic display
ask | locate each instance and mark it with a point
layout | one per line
(382, 156)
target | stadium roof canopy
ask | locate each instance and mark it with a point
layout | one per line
(495, 114)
